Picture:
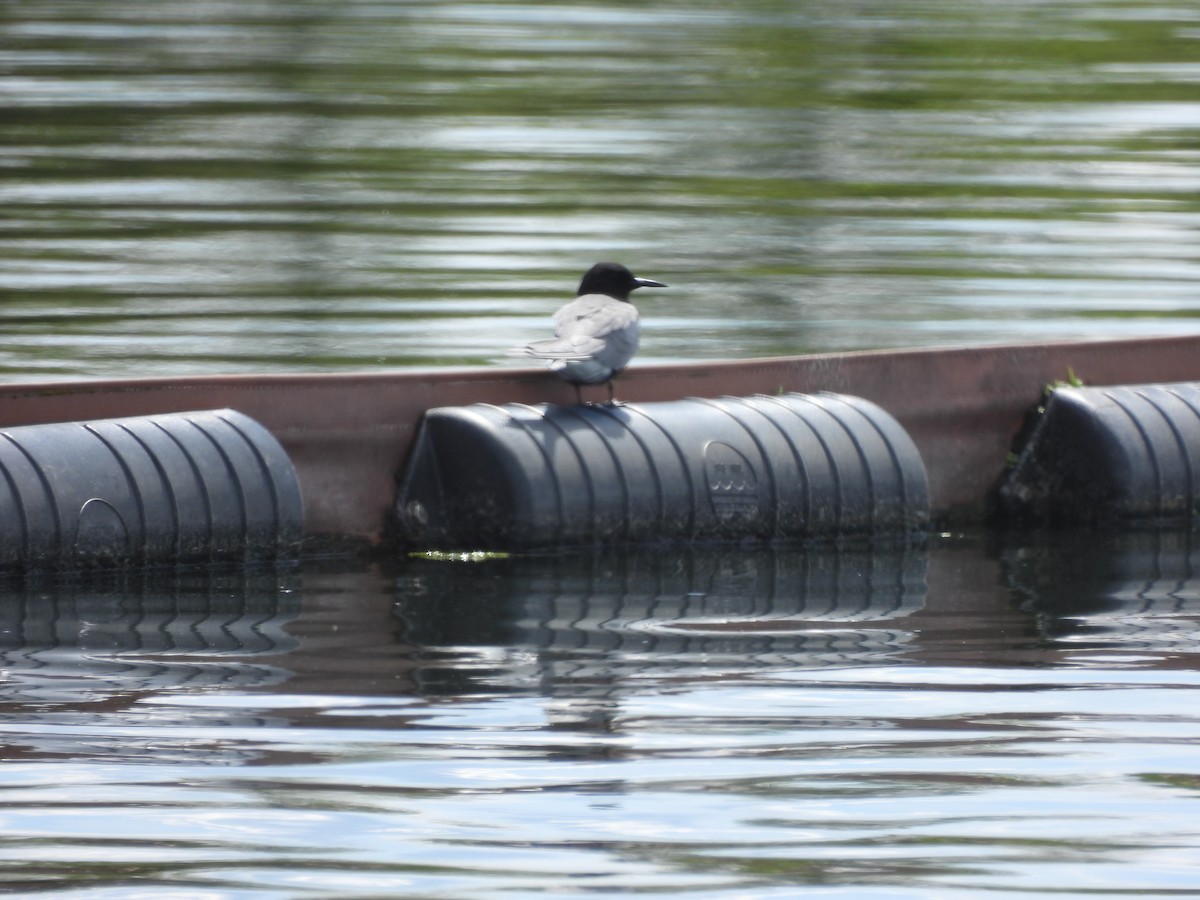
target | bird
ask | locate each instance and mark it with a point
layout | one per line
(596, 334)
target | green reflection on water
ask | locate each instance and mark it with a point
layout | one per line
(813, 176)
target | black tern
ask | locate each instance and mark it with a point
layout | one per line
(596, 334)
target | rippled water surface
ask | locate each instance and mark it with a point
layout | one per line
(191, 187)
(975, 718)
(282, 184)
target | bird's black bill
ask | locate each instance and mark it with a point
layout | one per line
(646, 282)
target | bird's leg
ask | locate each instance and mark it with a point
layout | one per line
(578, 395)
(612, 397)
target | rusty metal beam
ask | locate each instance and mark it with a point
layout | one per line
(348, 434)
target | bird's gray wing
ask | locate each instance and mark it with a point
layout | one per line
(591, 327)
(574, 347)
(594, 315)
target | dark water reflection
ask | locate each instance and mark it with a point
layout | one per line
(285, 184)
(984, 714)
(1144, 596)
(633, 619)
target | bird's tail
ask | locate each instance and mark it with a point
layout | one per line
(553, 348)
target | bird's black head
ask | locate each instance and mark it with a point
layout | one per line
(614, 280)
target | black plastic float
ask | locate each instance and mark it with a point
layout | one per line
(756, 468)
(181, 487)
(216, 485)
(1111, 454)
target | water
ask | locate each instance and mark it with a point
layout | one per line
(280, 186)
(979, 717)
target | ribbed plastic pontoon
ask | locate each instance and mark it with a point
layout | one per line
(754, 468)
(180, 487)
(1124, 453)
